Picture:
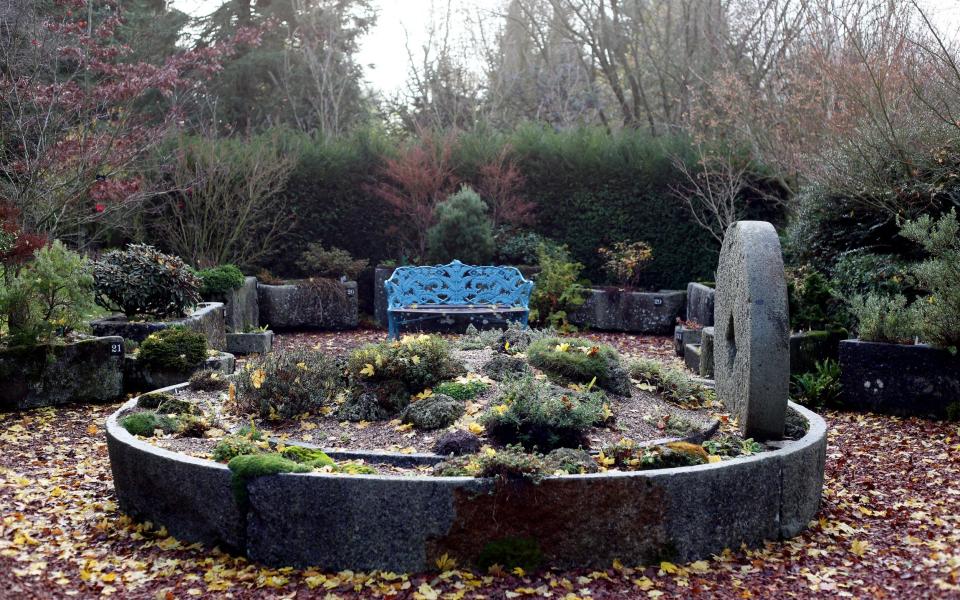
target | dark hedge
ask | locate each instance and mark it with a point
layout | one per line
(591, 189)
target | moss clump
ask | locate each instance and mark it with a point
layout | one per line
(503, 366)
(192, 425)
(536, 414)
(313, 458)
(580, 361)
(219, 280)
(232, 446)
(250, 466)
(177, 406)
(435, 412)
(510, 553)
(145, 423)
(152, 400)
(569, 461)
(173, 349)
(672, 383)
(461, 390)
(628, 456)
(208, 380)
(353, 468)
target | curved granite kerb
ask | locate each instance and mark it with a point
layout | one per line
(402, 523)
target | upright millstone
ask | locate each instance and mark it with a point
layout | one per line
(752, 330)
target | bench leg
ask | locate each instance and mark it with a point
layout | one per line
(392, 331)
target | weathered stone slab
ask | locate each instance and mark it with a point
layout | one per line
(380, 275)
(700, 299)
(706, 353)
(241, 307)
(54, 374)
(256, 342)
(137, 378)
(691, 357)
(612, 309)
(899, 379)
(752, 325)
(809, 347)
(683, 335)
(303, 304)
(206, 318)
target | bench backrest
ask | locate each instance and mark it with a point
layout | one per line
(458, 284)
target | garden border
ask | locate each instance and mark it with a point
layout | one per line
(403, 523)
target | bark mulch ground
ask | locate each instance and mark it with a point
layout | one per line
(889, 527)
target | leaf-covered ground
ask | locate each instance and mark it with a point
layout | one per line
(889, 527)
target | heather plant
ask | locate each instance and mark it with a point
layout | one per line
(537, 414)
(673, 383)
(462, 231)
(624, 262)
(317, 261)
(580, 361)
(939, 312)
(287, 383)
(885, 319)
(142, 281)
(417, 361)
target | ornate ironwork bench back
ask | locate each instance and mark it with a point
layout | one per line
(481, 288)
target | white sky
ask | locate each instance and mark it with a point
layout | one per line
(384, 53)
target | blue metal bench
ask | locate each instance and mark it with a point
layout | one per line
(495, 294)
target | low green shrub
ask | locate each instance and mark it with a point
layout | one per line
(519, 247)
(559, 288)
(624, 262)
(217, 281)
(420, 362)
(461, 390)
(536, 414)
(672, 383)
(145, 423)
(232, 446)
(731, 446)
(503, 366)
(580, 361)
(373, 402)
(208, 380)
(509, 463)
(287, 383)
(434, 412)
(882, 319)
(142, 281)
(173, 349)
(812, 301)
(818, 389)
(511, 553)
(354, 468)
(317, 261)
(462, 231)
(151, 400)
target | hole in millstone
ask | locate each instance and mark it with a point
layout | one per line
(731, 343)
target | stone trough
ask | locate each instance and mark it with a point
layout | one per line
(403, 523)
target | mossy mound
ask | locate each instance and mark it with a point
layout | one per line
(435, 412)
(208, 380)
(503, 366)
(251, 466)
(152, 400)
(173, 349)
(145, 423)
(457, 443)
(461, 390)
(311, 457)
(232, 446)
(570, 461)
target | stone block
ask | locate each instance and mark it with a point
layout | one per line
(683, 335)
(380, 275)
(700, 304)
(257, 342)
(706, 353)
(613, 309)
(752, 324)
(691, 357)
(54, 374)
(808, 347)
(899, 379)
(206, 318)
(139, 378)
(241, 307)
(305, 304)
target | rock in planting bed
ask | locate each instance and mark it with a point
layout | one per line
(657, 474)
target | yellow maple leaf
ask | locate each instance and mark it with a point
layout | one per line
(561, 347)
(257, 378)
(424, 394)
(367, 370)
(403, 427)
(668, 567)
(500, 409)
(644, 583)
(446, 562)
(92, 429)
(859, 547)
(713, 458)
(475, 428)
(415, 359)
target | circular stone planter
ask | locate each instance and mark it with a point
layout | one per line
(403, 523)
